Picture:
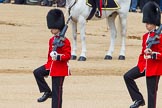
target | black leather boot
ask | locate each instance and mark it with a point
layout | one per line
(138, 103)
(45, 96)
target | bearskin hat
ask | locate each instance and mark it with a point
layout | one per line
(151, 13)
(55, 19)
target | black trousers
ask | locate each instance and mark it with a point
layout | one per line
(57, 83)
(152, 86)
(39, 74)
(57, 90)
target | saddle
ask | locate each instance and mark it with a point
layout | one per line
(106, 5)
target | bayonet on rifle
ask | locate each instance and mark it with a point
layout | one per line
(153, 40)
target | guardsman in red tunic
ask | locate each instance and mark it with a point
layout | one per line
(150, 59)
(57, 64)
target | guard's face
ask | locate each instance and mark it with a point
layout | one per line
(150, 27)
(55, 31)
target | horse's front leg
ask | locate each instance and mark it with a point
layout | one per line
(74, 41)
(123, 22)
(82, 23)
(113, 34)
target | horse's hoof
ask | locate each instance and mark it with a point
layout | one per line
(81, 58)
(121, 57)
(107, 57)
(73, 57)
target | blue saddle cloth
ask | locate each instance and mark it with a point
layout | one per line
(106, 4)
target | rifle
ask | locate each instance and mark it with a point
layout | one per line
(153, 40)
(58, 42)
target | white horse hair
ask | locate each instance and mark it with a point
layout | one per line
(80, 12)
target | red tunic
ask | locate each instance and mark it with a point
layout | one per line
(59, 68)
(152, 67)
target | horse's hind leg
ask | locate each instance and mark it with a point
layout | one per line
(113, 33)
(74, 41)
(82, 23)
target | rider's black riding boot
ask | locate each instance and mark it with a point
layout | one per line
(97, 14)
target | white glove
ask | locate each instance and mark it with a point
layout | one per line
(53, 54)
(152, 55)
(147, 56)
(148, 51)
